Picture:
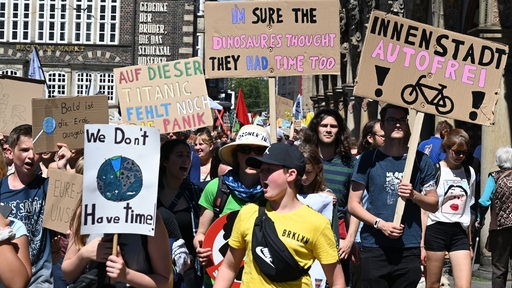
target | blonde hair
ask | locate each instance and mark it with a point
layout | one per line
(76, 219)
(205, 136)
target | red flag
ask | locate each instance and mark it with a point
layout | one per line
(241, 109)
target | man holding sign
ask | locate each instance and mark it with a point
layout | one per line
(391, 253)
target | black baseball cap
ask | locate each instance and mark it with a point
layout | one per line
(283, 154)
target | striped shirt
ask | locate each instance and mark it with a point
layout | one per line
(337, 177)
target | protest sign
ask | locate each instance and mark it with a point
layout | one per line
(62, 120)
(284, 107)
(430, 69)
(120, 179)
(170, 96)
(16, 94)
(271, 38)
(216, 238)
(64, 191)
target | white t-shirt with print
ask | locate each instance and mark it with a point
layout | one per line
(456, 195)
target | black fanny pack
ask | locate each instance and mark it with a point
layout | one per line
(270, 254)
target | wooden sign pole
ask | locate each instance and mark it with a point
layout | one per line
(272, 109)
(409, 163)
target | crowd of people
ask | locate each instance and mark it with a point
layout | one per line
(328, 200)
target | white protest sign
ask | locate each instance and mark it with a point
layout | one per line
(120, 179)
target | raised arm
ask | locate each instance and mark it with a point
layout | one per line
(15, 268)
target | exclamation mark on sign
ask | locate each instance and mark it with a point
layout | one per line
(478, 99)
(382, 73)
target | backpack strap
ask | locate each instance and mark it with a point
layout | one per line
(438, 173)
(467, 171)
(221, 197)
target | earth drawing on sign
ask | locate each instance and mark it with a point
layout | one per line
(119, 179)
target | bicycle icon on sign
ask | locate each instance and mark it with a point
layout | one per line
(442, 103)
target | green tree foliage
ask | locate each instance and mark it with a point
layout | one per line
(255, 92)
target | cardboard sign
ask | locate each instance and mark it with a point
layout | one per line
(120, 179)
(16, 94)
(271, 38)
(284, 107)
(170, 96)
(64, 191)
(216, 238)
(430, 69)
(62, 120)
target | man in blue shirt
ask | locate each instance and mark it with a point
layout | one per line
(391, 253)
(432, 146)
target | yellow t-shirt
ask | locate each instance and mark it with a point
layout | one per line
(306, 233)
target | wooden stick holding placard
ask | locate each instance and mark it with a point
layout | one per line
(115, 240)
(411, 156)
(292, 129)
(272, 109)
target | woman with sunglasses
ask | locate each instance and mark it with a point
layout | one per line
(243, 182)
(448, 229)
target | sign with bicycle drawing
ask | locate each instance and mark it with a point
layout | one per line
(429, 69)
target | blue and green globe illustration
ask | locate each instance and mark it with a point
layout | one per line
(119, 179)
(49, 125)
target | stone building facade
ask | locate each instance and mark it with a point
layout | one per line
(80, 42)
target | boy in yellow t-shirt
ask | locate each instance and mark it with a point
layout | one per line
(306, 233)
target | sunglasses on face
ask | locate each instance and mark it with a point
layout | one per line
(258, 150)
(459, 153)
(394, 121)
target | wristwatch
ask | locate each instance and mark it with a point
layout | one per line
(376, 223)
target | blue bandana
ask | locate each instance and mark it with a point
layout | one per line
(250, 195)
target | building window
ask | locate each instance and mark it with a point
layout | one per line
(83, 82)
(200, 7)
(52, 21)
(3, 20)
(56, 83)
(106, 85)
(83, 21)
(100, 83)
(20, 20)
(108, 21)
(10, 72)
(200, 45)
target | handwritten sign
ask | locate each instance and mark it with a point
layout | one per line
(62, 120)
(170, 96)
(271, 38)
(284, 107)
(16, 94)
(64, 191)
(120, 179)
(430, 69)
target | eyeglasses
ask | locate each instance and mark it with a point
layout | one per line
(394, 121)
(258, 150)
(383, 136)
(459, 153)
